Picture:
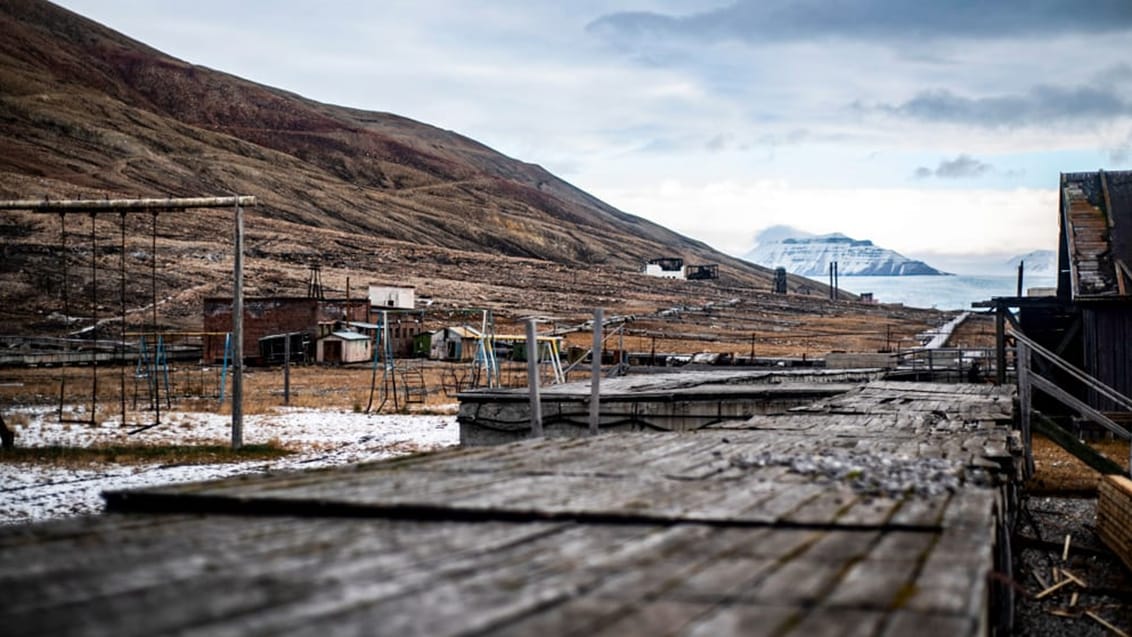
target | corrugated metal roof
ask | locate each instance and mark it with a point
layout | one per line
(1096, 228)
(461, 331)
(363, 326)
(348, 336)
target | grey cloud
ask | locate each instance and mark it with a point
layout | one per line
(962, 166)
(757, 21)
(719, 142)
(1040, 105)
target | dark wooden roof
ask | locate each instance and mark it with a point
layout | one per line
(725, 531)
(1096, 236)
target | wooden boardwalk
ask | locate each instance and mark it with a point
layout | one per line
(678, 401)
(879, 512)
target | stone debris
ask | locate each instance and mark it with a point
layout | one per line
(871, 474)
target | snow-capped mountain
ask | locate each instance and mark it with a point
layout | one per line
(1037, 262)
(810, 255)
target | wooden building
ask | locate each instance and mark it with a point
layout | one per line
(1095, 275)
(457, 343)
(265, 316)
(344, 347)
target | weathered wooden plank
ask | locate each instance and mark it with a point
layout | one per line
(902, 623)
(651, 618)
(721, 579)
(798, 582)
(744, 619)
(838, 622)
(879, 584)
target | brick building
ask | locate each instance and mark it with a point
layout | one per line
(264, 316)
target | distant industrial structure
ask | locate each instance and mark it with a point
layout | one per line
(674, 268)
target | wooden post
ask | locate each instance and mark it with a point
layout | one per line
(93, 321)
(7, 436)
(595, 372)
(287, 369)
(1025, 397)
(238, 334)
(1021, 269)
(1000, 344)
(532, 379)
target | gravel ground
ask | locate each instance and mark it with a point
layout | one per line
(1108, 593)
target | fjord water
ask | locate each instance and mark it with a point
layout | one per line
(941, 292)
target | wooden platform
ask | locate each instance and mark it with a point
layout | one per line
(1114, 516)
(677, 401)
(821, 522)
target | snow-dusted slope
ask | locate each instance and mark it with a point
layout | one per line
(1038, 262)
(810, 255)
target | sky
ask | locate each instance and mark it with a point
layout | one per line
(937, 129)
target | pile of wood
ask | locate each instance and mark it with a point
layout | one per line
(1114, 515)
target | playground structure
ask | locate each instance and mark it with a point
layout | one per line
(148, 351)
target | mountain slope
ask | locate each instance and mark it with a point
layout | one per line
(809, 255)
(85, 109)
(1037, 262)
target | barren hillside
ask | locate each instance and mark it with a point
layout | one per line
(86, 111)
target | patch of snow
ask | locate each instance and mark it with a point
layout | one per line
(322, 438)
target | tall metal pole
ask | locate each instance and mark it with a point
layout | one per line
(238, 334)
(532, 379)
(595, 372)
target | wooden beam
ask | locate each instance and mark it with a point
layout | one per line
(1000, 344)
(125, 205)
(1123, 271)
(1107, 199)
(1072, 401)
(1080, 450)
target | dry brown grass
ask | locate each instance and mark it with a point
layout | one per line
(86, 457)
(1058, 471)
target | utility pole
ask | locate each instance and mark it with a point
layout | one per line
(238, 334)
(532, 379)
(595, 371)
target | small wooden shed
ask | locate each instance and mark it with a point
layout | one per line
(343, 347)
(456, 343)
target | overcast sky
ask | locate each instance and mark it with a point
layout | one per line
(929, 127)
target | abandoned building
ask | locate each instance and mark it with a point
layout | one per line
(701, 272)
(1095, 274)
(383, 297)
(275, 348)
(455, 343)
(1088, 322)
(665, 267)
(267, 316)
(343, 347)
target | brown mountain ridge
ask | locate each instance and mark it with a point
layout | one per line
(88, 112)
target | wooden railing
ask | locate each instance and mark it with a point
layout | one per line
(1028, 380)
(944, 362)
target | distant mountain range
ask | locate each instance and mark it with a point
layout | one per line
(810, 255)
